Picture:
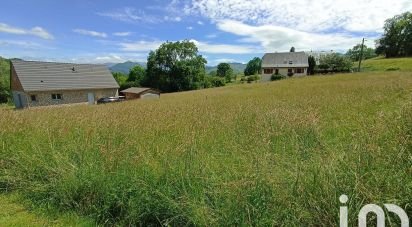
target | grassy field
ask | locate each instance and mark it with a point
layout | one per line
(387, 64)
(278, 153)
(12, 213)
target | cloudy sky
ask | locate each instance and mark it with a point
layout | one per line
(224, 30)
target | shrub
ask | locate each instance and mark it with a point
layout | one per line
(290, 74)
(392, 69)
(216, 81)
(250, 79)
(277, 77)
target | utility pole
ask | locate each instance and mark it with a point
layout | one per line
(361, 54)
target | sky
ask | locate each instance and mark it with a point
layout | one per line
(103, 31)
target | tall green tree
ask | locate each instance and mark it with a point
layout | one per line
(253, 66)
(292, 49)
(137, 73)
(175, 66)
(397, 37)
(224, 70)
(354, 53)
(312, 65)
(5, 93)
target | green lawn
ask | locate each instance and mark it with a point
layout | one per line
(261, 154)
(387, 64)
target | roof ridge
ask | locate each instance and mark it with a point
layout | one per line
(53, 62)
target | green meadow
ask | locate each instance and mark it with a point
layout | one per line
(263, 154)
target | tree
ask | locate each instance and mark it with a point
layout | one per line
(213, 73)
(175, 66)
(5, 93)
(120, 77)
(354, 53)
(137, 73)
(224, 70)
(397, 37)
(253, 67)
(312, 65)
(335, 63)
(292, 49)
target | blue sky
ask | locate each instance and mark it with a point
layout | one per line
(224, 30)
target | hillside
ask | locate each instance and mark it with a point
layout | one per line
(125, 67)
(387, 64)
(265, 154)
(237, 67)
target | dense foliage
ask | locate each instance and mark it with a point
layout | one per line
(4, 80)
(225, 71)
(253, 66)
(175, 66)
(312, 65)
(335, 63)
(354, 53)
(397, 37)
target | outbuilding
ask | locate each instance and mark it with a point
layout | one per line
(141, 93)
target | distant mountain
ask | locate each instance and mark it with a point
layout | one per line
(237, 67)
(125, 67)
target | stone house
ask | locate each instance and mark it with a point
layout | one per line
(289, 63)
(48, 83)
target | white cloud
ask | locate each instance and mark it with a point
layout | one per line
(140, 46)
(189, 28)
(210, 48)
(122, 34)
(275, 38)
(304, 15)
(22, 44)
(133, 15)
(90, 33)
(204, 47)
(36, 31)
(199, 22)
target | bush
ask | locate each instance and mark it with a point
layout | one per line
(277, 77)
(215, 81)
(392, 69)
(250, 79)
(290, 74)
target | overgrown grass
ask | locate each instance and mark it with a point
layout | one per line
(387, 64)
(278, 153)
(12, 213)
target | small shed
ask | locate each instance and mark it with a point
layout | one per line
(141, 93)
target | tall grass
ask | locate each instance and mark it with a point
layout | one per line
(387, 64)
(277, 153)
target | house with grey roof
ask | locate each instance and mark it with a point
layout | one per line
(36, 83)
(288, 63)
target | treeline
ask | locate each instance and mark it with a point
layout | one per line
(176, 66)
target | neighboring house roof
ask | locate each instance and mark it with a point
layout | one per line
(298, 59)
(49, 76)
(138, 90)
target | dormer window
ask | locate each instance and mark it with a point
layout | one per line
(290, 62)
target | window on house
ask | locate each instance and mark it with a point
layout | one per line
(268, 71)
(33, 98)
(290, 62)
(290, 70)
(57, 96)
